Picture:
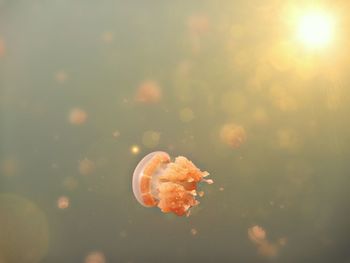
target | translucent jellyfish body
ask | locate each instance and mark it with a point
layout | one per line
(172, 186)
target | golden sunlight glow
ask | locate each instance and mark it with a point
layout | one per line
(315, 29)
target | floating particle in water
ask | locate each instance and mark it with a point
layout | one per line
(86, 167)
(172, 186)
(95, 257)
(256, 234)
(77, 116)
(186, 115)
(61, 76)
(149, 92)
(194, 232)
(221, 189)
(135, 149)
(150, 139)
(116, 134)
(233, 135)
(63, 202)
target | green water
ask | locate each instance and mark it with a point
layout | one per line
(214, 63)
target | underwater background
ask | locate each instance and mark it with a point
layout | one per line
(87, 88)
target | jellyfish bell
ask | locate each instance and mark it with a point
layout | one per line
(257, 234)
(140, 179)
(172, 186)
(63, 202)
(77, 116)
(233, 135)
(86, 166)
(149, 92)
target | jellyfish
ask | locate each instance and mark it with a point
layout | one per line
(172, 186)
(86, 167)
(233, 135)
(265, 248)
(77, 116)
(63, 202)
(149, 92)
(257, 234)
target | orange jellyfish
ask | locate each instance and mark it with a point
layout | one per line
(63, 202)
(257, 234)
(172, 186)
(233, 135)
(77, 116)
(86, 167)
(265, 248)
(149, 92)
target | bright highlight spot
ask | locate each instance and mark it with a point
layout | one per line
(135, 149)
(315, 29)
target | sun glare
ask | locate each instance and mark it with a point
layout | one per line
(315, 29)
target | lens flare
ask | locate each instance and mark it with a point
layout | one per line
(315, 29)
